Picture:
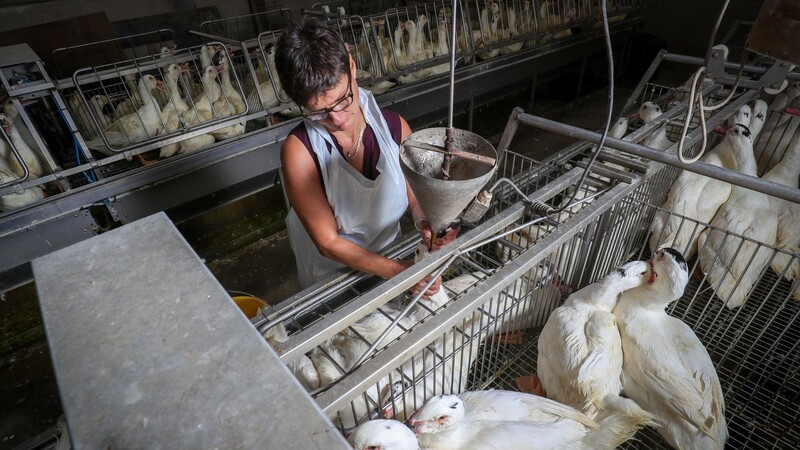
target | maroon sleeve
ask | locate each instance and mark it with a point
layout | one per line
(395, 126)
(300, 132)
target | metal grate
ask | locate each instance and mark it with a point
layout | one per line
(246, 28)
(69, 59)
(412, 43)
(522, 278)
(776, 135)
(252, 37)
(502, 27)
(123, 118)
(557, 17)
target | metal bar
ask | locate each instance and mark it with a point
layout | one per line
(637, 92)
(739, 179)
(452, 66)
(453, 152)
(693, 60)
(318, 293)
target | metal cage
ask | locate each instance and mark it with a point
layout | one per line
(516, 266)
(248, 35)
(413, 42)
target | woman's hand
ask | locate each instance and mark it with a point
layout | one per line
(425, 232)
(421, 285)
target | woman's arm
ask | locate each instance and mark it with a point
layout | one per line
(307, 197)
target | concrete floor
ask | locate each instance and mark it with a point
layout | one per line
(265, 267)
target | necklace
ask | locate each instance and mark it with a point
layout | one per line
(357, 145)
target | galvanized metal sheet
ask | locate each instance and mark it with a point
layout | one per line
(150, 352)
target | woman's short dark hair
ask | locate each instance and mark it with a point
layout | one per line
(311, 59)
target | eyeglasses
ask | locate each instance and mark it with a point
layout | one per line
(340, 105)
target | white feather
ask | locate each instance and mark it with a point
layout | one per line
(580, 354)
(732, 265)
(666, 369)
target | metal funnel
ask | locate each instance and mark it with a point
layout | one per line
(441, 200)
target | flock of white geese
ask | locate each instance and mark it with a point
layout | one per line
(156, 107)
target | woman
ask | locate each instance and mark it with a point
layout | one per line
(341, 165)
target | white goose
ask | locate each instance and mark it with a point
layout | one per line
(666, 369)
(774, 128)
(173, 110)
(269, 97)
(13, 115)
(17, 200)
(133, 98)
(302, 368)
(513, 420)
(505, 313)
(489, 37)
(781, 136)
(202, 111)
(82, 115)
(787, 236)
(448, 375)
(140, 125)
(658, 140)
(580, 353)
(697, 197)
(554, 14)
(441, 49)
(383, 434)
(345, 348)
(414, 53)
(732, 265)
(31, 159)
(510, 33)
(229, 103)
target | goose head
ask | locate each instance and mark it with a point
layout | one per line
(437, 414)
(632, 274)
(669, 274)
(383, 435)
(649, 111)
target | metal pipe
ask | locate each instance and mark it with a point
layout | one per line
(739, 179)
(694, 60)
(714, 31)
(452, 66)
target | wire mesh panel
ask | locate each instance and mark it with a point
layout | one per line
(329, 9)
(503, 27)
(356, 35)
(617, 10)
(246, 28)
(776, 137)
(12, 174)
(154, 98)
(69, 59)
(414, 41)
(557, 17)
(371, 7)
(251, 37)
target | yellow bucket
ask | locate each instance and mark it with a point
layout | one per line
(249, 305)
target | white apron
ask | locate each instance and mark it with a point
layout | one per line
(367, 212)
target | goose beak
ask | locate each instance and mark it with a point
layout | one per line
(721, 130)
(653, 274)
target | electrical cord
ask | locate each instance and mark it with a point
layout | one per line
(596, 153)
(702, 108)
